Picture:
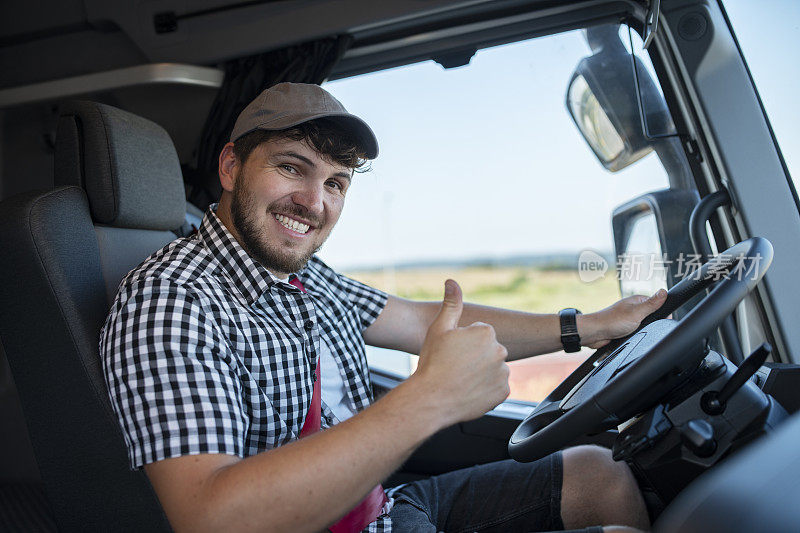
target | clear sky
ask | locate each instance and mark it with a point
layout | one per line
(484, 161)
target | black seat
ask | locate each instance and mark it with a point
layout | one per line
(65, 251)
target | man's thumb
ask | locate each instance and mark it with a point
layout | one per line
(657, 299)
(452, 305)
(659, 295)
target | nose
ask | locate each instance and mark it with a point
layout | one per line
(310, 196)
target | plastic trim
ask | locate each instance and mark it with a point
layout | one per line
(154, 73)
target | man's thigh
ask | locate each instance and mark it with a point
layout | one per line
(505, 496)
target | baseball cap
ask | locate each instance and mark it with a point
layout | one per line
(288, 104)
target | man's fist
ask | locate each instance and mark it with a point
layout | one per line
(465, 366)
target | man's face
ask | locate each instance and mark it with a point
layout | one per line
(286, 200)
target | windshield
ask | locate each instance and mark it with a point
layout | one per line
(483, 177)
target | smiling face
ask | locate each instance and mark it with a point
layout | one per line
(282, 204)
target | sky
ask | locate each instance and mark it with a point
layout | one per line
(484, 160)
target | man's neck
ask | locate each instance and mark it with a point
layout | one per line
(279, 277)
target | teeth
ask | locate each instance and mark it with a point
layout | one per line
(294, 225)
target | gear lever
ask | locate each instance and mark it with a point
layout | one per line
(713, 403)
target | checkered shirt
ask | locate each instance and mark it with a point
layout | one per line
(204, 351)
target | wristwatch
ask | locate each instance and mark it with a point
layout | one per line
(570, 339)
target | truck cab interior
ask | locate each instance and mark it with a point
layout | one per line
(111, 118)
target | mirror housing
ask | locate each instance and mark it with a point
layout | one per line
(603, 102)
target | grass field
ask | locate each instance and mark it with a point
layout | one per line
(524, 289)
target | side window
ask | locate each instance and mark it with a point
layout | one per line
(484, 177)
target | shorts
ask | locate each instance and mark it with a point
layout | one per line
(505, 496)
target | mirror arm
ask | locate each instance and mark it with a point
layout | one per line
(639, 103)
(651, 23)
(676, 165)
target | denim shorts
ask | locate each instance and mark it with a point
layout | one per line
(505, 496)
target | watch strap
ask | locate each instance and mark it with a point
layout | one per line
(570, 339)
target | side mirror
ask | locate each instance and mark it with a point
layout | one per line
(603, 101)
(652, 242)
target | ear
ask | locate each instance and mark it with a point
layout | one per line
(228, 166)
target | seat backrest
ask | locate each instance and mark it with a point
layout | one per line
(132, 177)
(65, 252)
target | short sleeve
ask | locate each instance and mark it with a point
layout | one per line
(367, 301)
(172, 380)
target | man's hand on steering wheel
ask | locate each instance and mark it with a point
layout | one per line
(617, 320)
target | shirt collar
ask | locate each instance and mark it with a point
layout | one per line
(250, 276)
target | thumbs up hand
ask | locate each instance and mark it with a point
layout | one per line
(464, 366)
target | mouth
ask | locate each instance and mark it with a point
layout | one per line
(292, 224)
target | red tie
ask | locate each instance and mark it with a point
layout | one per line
(370, 507)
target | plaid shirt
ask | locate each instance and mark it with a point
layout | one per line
(204, 351)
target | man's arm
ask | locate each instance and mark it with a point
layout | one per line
(308, 484)
(302, 486)
(402, 325)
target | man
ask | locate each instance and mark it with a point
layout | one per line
(213, 352)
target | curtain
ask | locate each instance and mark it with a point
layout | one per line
(245, 78)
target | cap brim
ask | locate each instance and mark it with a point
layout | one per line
(352, 123)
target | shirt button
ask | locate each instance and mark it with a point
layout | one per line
(309, 325)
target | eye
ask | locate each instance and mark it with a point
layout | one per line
(335, 185)
(288, 168)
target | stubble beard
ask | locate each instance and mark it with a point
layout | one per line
(243, 210)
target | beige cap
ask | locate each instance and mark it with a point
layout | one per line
(288, 104)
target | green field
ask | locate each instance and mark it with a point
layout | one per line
(523, 289)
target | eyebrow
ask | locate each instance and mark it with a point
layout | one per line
(310, 163)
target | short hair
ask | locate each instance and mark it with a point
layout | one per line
(327, 137)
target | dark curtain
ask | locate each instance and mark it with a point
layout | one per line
(245, 78)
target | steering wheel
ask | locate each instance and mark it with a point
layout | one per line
(622, 378)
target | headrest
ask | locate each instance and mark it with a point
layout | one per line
(126, 164)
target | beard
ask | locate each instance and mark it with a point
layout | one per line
(271, 256)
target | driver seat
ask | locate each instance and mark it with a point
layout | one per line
(65, 252)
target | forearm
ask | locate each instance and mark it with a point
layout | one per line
(308, 484)
(523, 334)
